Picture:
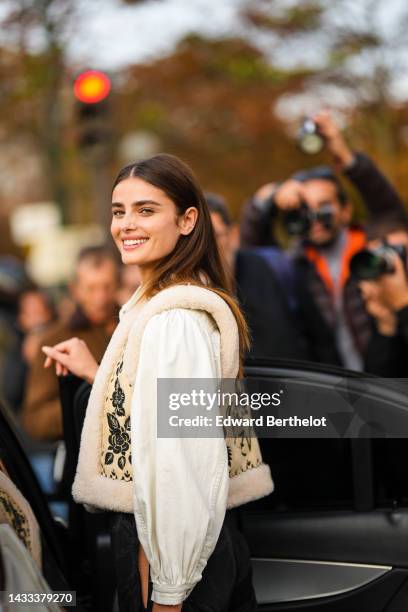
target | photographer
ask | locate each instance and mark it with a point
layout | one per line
(386, 298)
(314, 206)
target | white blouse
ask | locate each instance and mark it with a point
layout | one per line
(180, 485)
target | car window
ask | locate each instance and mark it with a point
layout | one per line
(318, 473)
(390, 469)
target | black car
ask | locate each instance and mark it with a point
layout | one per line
(333, 536)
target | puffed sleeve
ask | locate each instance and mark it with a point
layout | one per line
(180, 485)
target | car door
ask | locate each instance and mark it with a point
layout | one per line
(334, 535)
(53, 534)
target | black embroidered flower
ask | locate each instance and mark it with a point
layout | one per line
(119, 442)
(118, 399)
(117, 454)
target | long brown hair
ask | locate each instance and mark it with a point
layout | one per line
(195, 258)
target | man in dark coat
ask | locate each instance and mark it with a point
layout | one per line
(334, 317)
(267, 299)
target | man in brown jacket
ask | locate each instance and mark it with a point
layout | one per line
(94, 291)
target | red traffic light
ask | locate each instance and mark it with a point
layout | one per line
(91, 87)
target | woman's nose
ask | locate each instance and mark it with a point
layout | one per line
(128, 222)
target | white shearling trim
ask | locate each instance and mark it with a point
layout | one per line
(194, 298)
(250, 485)
(89, 485)
(102, 492)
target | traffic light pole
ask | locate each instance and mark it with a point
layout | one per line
(100, 181)
(94, 136)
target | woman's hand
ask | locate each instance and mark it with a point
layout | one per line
(74, 356)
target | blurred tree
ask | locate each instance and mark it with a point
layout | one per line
(37, 31)
(211, 102)
(355, 45)
(356, 53)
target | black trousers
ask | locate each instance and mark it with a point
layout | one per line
(226, 584)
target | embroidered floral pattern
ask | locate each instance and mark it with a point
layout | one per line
(15, 518)
(243, 454)
(118, 399)
(242, 445)
(116, 457)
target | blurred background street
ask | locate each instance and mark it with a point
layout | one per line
(221, 84)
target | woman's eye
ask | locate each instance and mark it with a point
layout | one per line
(117, 213)
(146, 210)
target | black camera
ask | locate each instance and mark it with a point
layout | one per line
(309, 138)
(298, 222)
(370, 264)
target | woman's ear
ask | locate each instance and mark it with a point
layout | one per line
(188, 220)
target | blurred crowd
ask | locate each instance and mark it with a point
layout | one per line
(314, 286)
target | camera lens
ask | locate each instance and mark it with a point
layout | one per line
(297, 222)
(368, 265)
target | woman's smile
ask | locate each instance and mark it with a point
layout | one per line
(129, 244)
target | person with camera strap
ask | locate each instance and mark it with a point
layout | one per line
(315, 208)
(382, 270)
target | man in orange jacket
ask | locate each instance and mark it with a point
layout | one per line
(314, 205)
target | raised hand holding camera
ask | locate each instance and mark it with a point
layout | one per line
(290, 195)
(328, 129)
(310, 139)
(297, 216)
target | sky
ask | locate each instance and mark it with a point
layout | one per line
(111, 34)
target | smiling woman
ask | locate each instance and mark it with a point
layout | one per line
(173, 542)
(146, 224)
(159, 201)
